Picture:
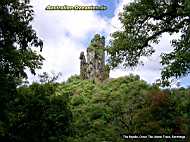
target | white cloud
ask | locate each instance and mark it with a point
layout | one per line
(63, 33)
(152, 67)
(115, 23)
(77, 24)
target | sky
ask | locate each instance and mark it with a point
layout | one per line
(66, 33)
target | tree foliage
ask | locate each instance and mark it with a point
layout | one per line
(82, 110)
(126, 105)
(47, 78)
(38, 114)
(143, 23)
(16, 39)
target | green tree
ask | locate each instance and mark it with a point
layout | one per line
(47, 78)
(39, 114)
(144, 22)
(126, 105)
(16, 41)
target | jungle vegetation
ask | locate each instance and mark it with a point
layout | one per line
(84, 110)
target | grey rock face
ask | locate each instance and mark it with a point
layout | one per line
(83, 66)
(94, 67)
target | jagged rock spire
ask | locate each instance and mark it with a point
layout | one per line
(94, 68)
(83, 65)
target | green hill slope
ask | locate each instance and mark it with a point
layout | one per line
(86, 111)
(126, 105)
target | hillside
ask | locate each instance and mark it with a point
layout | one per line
(86, 111)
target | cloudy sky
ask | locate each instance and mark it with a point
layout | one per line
(67, 33)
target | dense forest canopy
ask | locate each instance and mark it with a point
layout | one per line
(84, 111)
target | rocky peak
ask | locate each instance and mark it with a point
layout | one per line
(94, 68)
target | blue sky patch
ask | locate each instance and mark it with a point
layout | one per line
(111, 5)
